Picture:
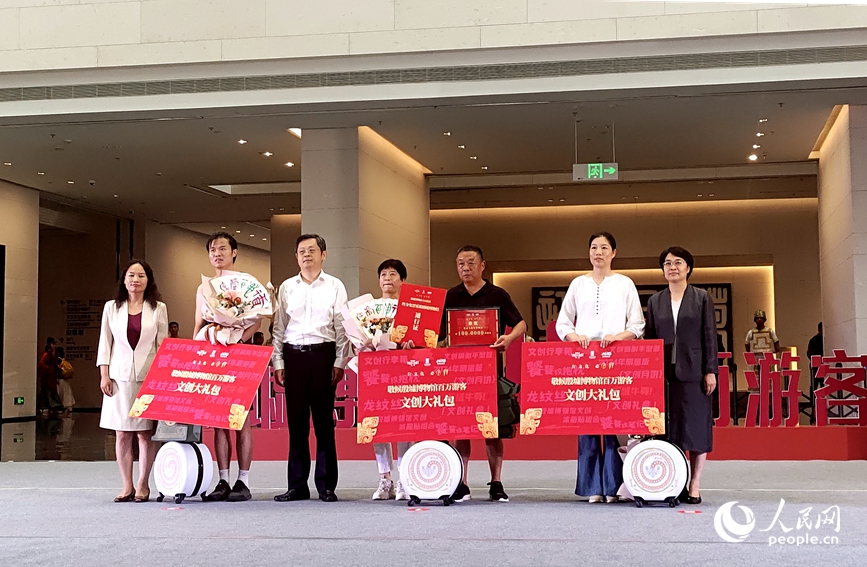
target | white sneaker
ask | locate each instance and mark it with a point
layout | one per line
(612, 499)
(400, 493)
(596, 499)
(385, 490)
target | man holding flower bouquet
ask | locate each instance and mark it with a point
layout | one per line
(228, 316)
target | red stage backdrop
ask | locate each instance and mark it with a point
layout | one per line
(418, 394)
(202, 384)
(569, 390)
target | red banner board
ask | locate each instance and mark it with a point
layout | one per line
(199, 383)
(569, 390)
(419, 315)
(473, 327)
(419, 394)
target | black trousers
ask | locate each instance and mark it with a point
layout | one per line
(307, 381)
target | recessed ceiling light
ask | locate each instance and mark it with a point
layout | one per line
(71, 182)
(40, 173)
(223, 227)
(264, 239)
(267, 154)
(552, 200)
(699, 195)
(252, 235)
(474, 157)
(759, 134)
(271, 209)
(115, 196)
(289, 164)
(756, 146)
(294, 131)
(237, 232)
(242, 141)
(753, 157)
(462, 147)
(711, 194)
(562, 200)
(485, 167)
(763, 119)
(447, 133)
(282, 209)
(7, 163)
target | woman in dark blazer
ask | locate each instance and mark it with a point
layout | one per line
(683, 317)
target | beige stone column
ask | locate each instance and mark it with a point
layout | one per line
(19, 233)
(843, 231)
(369, 200)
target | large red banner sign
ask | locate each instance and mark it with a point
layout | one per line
(413, 395)
(570, 390)
(199, 383)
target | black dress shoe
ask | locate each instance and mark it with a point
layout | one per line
(693, 499)
(292, 495)
(219, 494)
(240, 492)
(328, 496)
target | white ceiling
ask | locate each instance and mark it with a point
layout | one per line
(160, 166)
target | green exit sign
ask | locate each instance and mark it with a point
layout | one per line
(18, 401)
(595, 172)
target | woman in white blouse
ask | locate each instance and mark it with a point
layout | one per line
(600, 306)
(134, 324)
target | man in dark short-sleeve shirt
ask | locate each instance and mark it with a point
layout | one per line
(474, 292)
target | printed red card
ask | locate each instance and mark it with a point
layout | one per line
(419, 315)
(473, 327)
(419, 394)
(569, 390)
(199, 383)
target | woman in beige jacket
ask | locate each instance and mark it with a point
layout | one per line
(133, 326)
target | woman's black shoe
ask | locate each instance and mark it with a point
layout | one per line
(692, 500)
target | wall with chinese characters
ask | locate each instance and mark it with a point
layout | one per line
(782, 233)
(70, 306)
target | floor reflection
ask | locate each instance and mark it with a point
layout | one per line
(75, 437)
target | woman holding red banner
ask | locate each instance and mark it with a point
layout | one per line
(683, 317)
(133, 326)
(600, 306)
(392, 274)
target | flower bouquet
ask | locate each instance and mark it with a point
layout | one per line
(367, 322)
(233, 302)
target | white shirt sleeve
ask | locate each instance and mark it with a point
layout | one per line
(279, 321)
(343, 348)
(566, 317)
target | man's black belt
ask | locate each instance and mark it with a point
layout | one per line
(309, 348)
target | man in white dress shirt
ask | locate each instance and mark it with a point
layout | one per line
(310, 352)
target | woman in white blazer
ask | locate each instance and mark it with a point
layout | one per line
(133, 326)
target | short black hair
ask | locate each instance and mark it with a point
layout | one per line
(680, 253)
(174, 323)
(59, 352)
(606, 235)
(394, 264)
(258, 334)
(233, 244)
(320, 242)
(472, 248)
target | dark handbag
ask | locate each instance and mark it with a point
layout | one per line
(508, 408)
